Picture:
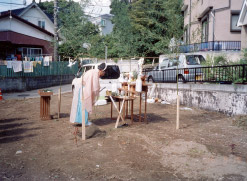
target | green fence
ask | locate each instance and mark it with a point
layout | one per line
(54, 68)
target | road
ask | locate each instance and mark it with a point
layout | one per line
(34, 93)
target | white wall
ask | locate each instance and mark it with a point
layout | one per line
(34, 15)
(107, 29)
(222, 19)
(15, 25)
(228, 99)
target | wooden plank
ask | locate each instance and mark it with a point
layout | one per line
(140, 107)
(59, 102)
(48, 107)
(111, 110)
(123, 103)
(145, 117)
(177, 121)
(132, 107)
(40, 105)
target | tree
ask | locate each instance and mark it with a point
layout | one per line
(122, 38)
(144, 27)
(74, 27)
(156, 22)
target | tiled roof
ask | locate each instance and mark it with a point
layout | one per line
(51, 17)
(109, 16)
(14, 11)
(17, 12)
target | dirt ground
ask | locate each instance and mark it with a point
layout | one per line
(207, 147)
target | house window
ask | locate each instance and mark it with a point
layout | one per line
(205, 30)
(234, 21)
(41, 24)
(103, 22)
(31, 52)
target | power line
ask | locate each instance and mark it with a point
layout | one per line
(12, 3)
(96, 5)
(9, 5)
(92, 13)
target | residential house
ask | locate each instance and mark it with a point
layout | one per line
(211, 25)
(26, 31)
(104, 22)
(242, 22)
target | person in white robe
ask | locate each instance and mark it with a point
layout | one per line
(89, 89)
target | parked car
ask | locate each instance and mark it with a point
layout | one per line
(112, 73)
(149, 65)
(186, 64)
(86, 61)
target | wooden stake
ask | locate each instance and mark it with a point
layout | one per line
(83, 127)
(59, 102)
(177, 122)
(119, 114)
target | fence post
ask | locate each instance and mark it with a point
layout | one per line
(195, 75)
(243, 73)
(163, 75)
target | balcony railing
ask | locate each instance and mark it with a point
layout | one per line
(209, 46)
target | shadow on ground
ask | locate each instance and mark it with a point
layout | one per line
(10, 120)
(12, 131)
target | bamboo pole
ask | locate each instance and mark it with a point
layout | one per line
(83, 126)
(177, 122)
(59, 102)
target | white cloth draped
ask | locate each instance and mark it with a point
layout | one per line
(28, 66)
(17, 66)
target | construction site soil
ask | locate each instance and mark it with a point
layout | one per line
(208, 145)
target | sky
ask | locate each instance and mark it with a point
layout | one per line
(95, 8)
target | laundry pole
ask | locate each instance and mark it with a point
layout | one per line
(178, 105)
(178, 102)
(83, 126)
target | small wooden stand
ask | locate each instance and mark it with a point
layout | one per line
(45, 98)
(132, 92)
(178, 104)
(59, 102)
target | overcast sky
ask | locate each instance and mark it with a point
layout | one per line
(95, 8)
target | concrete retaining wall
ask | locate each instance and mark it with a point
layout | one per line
(30, 83)
(228, 99)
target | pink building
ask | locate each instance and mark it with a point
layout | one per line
(212, 24)
(242, 22)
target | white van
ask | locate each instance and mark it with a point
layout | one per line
(112, 73)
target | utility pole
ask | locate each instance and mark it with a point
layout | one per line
(190, 24)
(55, 30)
(105, 54)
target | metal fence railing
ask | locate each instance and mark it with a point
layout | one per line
(54, 68)
(209, 46)
(216, 74)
